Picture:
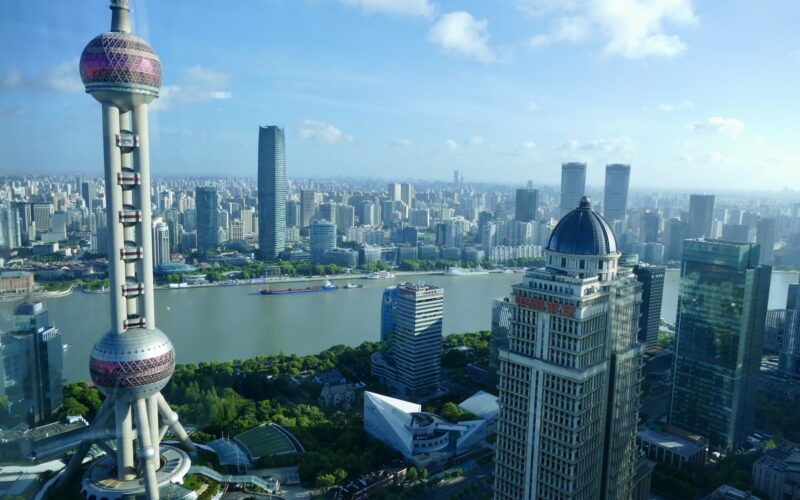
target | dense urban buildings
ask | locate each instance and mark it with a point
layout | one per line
(570, 377)
(615, 194)
(573, 186)
(411, 336)
(134, 360)
(271, 192)
(31, 360)
(719, 334)
(782, 334)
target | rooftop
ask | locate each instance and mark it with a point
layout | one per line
(582, 232)
(674, 439)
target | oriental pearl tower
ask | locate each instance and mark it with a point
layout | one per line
(133, 362)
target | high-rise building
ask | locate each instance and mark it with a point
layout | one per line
(570, 377)
(308, 206)
(10, 232)
(292, 214)
(765, 237)
(135, 360)
(615, 196)
(323, 238)
(736, 233)
(650, 225)
(407, 194)
(676, 231)
(345, 217)
(502, 311)
(207, 206)
(42, 213)
(701, 215)
(652, 280)
(161, 244)
(89, 194)
(526, 205)
(573, 185)
(411, 336)
(394, 191)
(31, 360)
(722, 309)
(271, 192)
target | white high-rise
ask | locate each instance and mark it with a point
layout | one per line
(570, 376)
(573, 185)
(615, 196)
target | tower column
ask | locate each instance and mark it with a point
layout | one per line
(147, 454)
(141, 160)
(125, 464)
(116, 237)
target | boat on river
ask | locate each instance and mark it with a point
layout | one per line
(460, 271)
(327, 287)
(380, 275)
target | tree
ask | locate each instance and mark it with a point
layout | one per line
(325, 481)
(423, 474)
(412, 475)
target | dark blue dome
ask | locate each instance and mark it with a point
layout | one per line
(582, 232)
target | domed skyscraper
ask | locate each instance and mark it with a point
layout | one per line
(133, 361)
(570, 376)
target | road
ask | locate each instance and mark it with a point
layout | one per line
(450, 488)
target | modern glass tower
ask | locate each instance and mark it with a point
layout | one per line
(271, 192)
(570, 376)
(135, 360)
(526, 205)
(615, 197)
(701, 215)
(722, 308)
(652, 280)
(207, 208)
(573, 185)
(323, 238)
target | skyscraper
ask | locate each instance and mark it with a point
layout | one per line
(161, 244)
(570, 377)
(573, 185)
(407, 194)
(411, 336)
(323, 238)
(765, 237)
(652, 280)
(701, 215)
(676, 231)
(615, 196)
(737, 233)
(31, 360)
(207, 206)
(650, 224)
(722, 309)
(394, 191)
(271, 192)
(526, 205)
(89, 194)
(133, 361)
(308, 205)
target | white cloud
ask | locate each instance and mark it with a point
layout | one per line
(475, 140)
(323, 132)
(415, 8)
(451, 145)
(730, 127)
(197, 84)
(460, 34)
(678, 106)
(11, 80)
(401, 142)
(608, 149)
(634, 29)
(63, 77)
(529, 146)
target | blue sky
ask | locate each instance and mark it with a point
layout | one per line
(692, 94)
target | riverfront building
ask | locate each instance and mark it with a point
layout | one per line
(271, 192)
(323, 239)
(207, 204)
(570, 377)
(411, 338)
(722, 308)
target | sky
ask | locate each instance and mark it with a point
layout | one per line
(694, 95)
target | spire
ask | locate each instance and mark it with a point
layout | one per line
(120, 16)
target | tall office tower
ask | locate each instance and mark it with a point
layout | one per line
(650, 224)
(407, 194)
(736, 233)
(722, 309)
(30, 366)
(765, 237)
(393, 191)
(271, 192)
(327, 211)
(675, 232)
(161, 244)
(206, 200)
(323, 238)
(502, 312)
(570, 377)
(345, 217)
(89, 194)
(292, 214)
(456, 178)
(133, 361)
(308, 205)
(236, 233)
(42, 213)
(526, 205)
(366, 213)
(615, 194)
(573, 185)
(421, 217)
(10, 233)
(414, 336)
(652, 280)
(701, 215)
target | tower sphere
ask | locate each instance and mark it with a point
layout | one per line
(135, 364)
(121, 69)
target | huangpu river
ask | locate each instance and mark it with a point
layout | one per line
(236, 322)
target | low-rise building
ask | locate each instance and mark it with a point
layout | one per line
(777, 473)
(726, 492)
(16, 282)
(671, 446)
(337, 396)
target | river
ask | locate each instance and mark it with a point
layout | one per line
(224, 323)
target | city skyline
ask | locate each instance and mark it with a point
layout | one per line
(478, 96)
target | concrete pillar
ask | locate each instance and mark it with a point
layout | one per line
(144, 234)
(125, 465)
(116, 272)
(146, 451)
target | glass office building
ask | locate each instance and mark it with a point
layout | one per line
(271, 192)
